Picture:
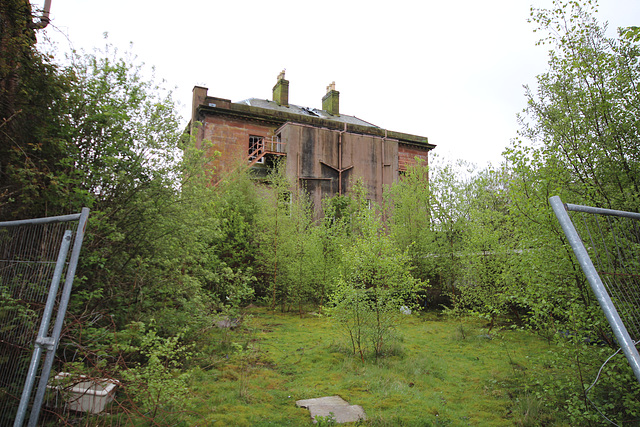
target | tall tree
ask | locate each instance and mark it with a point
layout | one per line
(582, 122)
(584, 115)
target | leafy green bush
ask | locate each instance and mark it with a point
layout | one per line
(157, 381)
(374, 284)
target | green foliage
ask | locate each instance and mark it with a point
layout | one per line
(457, 227)
(32, 107)
(429, 215)
(274, 237)
(301, 247)
(374, 284)
(583, 150)
(329, 420)
(226, 268)
(490, 284)
(151, 251)
(328, 237)
(148, 251)
(584, 112)
(123, 137)
(411, 223)
(297, 257)
(585, 387)
(15, 316)
(157, 382)
(581, 121)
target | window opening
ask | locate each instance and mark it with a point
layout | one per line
(256, 146)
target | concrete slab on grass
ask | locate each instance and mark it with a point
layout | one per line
(329, 400)
(326, 406)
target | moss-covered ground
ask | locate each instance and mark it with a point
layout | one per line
(441, 371)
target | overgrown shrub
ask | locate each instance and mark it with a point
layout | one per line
(373, 286)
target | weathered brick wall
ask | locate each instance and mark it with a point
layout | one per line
(407, 156)
(231, 138)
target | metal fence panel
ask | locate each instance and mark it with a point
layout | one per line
(608, 250)
(34, 257)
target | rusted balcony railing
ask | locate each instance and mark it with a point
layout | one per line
(266, 146)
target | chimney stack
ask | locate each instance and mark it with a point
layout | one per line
(199, 95)
(331, 101)
(281, 91)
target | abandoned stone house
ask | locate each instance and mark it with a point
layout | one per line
(325, 151)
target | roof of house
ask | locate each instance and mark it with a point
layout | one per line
(305, 111)
(262, 109)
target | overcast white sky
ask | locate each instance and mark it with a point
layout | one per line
(449, 70)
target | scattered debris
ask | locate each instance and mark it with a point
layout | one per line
(227, 322)
(333, 406)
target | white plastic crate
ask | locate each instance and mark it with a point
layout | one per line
(84, 394)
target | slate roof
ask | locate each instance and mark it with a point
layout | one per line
(304, 111)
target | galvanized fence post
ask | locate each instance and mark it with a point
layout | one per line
(609, 309)
(62, 310)
(30, 290)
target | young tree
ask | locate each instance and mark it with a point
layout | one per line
(275, 235)
(429, 212)
(307, 253)
(330, 236)
(489, 286)
(228, 268)
(374, 284)
(409, 205)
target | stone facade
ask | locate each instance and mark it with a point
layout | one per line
(326, 152)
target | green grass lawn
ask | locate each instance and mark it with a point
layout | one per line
(442, 371)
